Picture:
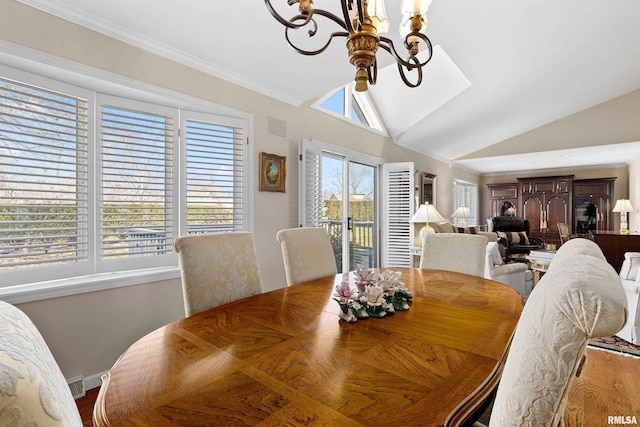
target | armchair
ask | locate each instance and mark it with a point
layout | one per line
(516, 275)
(630, 278)
(514, 232)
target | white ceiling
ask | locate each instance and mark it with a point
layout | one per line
(522, 64)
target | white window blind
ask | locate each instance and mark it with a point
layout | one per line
(466, 195)
(310, 184)
(215, 171)
(136, 189)
(43, 177)
(93, 183)
(397, 232)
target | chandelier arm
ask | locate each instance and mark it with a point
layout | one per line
(346, 5)
(401, 71)
(305, 18)
(372, 72)
(313, 31)
(387, 44)
(286, 22)
(313, 52)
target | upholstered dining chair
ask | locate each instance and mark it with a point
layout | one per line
(217, 268)
(462, 253)
(307, 254)
(579, 298)
(33, 390)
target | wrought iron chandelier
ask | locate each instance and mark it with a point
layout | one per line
(363, 22)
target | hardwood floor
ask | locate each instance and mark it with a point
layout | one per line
(85, 406)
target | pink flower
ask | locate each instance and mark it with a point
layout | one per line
(343, 290)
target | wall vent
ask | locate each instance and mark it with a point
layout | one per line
(277, 127)
(76, 384)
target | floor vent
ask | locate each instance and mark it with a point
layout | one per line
(76, 384)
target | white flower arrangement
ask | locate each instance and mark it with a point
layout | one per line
(376, 295)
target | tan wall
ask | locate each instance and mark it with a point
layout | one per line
(87, 332)
(634, 195)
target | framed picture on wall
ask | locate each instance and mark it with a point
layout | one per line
(272, 172)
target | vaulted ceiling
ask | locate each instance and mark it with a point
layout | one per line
(504, 71)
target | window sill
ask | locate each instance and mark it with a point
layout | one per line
(77, 285)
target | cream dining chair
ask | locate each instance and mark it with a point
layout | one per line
(459, 252)
(307, 254)
(217, 268)
(580, 297)
(33, 390)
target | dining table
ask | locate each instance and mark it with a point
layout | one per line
(285, 357)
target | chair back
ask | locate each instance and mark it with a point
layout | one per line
(462, 253)
(511, 223)
(217, 268)
(33, 389)
(563, 230)
(580, 297)
(307, 254)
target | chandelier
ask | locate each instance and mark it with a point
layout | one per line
(363, 22)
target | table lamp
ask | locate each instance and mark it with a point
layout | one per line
(463, 213)
(425, 214)
(623, 206)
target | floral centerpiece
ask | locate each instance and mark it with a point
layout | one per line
(376, 294)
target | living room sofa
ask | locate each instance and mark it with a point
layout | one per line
(447, 227)
(517, 274)
(630, 277)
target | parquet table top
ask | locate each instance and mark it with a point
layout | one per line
(284, 358)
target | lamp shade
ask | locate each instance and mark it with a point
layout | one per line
(425, 214)
(623, 205)
(462, 212)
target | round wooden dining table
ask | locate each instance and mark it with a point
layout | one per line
(285, 358)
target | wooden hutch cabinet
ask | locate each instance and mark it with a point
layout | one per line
(546, 201)
(592, 204)
(503, 197)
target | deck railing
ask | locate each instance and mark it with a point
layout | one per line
(362, 250)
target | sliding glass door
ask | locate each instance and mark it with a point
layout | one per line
(349, 210)
(339, 193)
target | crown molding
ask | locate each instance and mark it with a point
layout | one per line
(63, 11)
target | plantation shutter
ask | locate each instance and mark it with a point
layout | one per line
(215, 170)
(136, 190)
(310, 184)
(397, 209)
(466, 194)
(43, 177)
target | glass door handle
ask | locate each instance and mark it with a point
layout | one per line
(349, 223)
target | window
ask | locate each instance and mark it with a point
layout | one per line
(465, 194)
(354, 106)
(43, 177)
(215, 171)
(83, 193)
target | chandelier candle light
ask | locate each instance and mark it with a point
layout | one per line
(363, 22)
(623, 206)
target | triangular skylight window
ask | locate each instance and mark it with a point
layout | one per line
(351, 105)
